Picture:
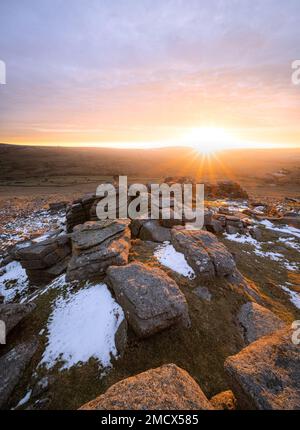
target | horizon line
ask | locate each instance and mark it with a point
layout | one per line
(147, 146)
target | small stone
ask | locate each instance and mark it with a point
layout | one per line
(224, 401)
(203, 293)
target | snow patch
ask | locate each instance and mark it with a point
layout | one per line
(174, 260)
(241, 238)
(293, 267)
(282, 229)
(275, 256)
(25, 399)
(290, 242)
(13, 281)
(83, 325)
(294, 297)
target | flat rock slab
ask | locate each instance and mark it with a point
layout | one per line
(204, 253)
(94, 233)
(151, 300)
(12, 367)
(96, 245)
(257, 321)
(13, 314)
(266, 374)
(166, 388)
(45, 254)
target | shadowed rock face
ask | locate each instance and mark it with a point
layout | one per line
(45, 260)
(13, 313)
(257, 321)
(152, 230)
(96, 245)
(151, 300)
(266, 374)
(205, 254)
(45, 254)
(165, 388)
(12, 366)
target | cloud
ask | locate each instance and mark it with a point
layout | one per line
(71, 59)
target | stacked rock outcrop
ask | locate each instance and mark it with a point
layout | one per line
(96, 245)
(45, 260)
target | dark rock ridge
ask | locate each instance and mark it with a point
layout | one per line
(151, 300)
(220, 189)
(166, 388)
(223, 222)
(96, 245)
(84, 209)
(80, 211)
(266, 374)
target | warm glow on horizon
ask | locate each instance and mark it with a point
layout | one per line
(207, 140)
(204, 140)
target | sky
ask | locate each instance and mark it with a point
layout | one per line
(149, 72)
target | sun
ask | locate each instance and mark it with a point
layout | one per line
(208, 139)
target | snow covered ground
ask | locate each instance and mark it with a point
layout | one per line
(293, 231)
(246, 239)
(289, 241)
(22, 228)
(83, 325)
(169, 257)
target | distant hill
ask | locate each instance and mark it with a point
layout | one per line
(40, 161)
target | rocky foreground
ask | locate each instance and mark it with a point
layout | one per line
(109, 289)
